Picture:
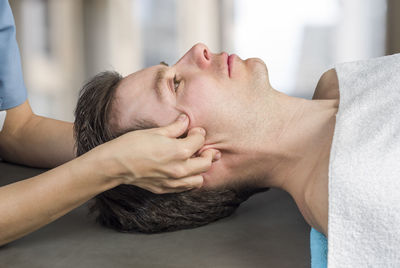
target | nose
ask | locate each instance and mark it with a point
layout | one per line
(201, 55)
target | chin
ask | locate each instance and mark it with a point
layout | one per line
(257, 61)
(257, 65)
(259, 72)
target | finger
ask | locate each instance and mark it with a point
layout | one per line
(201, 164)
(187, 183)
(169, 185)
(192, 143)
(176, 186)
(215, 154)
(176, 128)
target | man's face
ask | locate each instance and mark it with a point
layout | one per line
(217, 92)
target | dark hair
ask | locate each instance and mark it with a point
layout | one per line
(128, 208)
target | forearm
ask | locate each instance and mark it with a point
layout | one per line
(45, 142)
(35, 140)
(30, 204)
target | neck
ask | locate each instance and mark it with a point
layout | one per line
(292, 150)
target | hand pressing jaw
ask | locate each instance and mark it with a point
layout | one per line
(161, 163)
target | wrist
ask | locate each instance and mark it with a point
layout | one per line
(98, 165)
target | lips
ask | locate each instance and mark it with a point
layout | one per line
(230, 63)
(227, 63)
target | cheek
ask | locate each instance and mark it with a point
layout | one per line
(202, 102)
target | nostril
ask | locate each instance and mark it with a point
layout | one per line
(206, 54)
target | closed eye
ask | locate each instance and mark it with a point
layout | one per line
(176, 83)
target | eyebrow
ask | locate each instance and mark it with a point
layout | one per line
(160, 77)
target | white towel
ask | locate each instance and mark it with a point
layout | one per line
(364, 168)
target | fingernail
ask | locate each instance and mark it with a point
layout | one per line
(217, 156)
(202, 131)
(182, 117)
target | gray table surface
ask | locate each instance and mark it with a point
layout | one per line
(266, 231)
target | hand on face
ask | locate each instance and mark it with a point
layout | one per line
(154, 159)
(219, 93)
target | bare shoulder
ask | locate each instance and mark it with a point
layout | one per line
(328, 86)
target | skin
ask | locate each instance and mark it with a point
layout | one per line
(267, 138)
(153, 159)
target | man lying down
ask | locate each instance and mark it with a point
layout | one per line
(267, 139)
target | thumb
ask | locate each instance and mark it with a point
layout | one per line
(176, 128)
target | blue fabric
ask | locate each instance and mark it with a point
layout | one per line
(319, 249)
(12, 87)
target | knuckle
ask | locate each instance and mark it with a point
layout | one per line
(178, 172)
(185, 152)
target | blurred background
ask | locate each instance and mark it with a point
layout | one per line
(65, 42)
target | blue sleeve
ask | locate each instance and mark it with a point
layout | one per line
(319, 249)
(12, 87)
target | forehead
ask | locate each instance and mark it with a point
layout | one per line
(144, 77)
(136, 98)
